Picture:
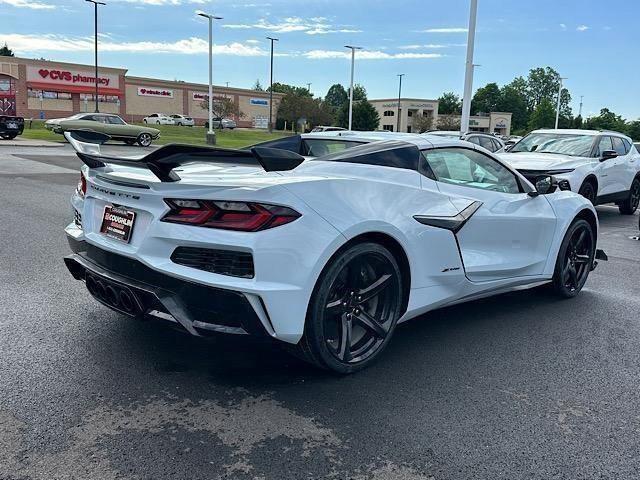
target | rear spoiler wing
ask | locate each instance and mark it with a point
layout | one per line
(163, 161)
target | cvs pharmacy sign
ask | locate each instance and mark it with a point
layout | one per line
(54, 76)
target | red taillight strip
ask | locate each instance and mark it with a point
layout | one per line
(252, 217)
(81, 188)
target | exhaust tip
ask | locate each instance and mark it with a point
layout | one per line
(126, 301)
(111, 296)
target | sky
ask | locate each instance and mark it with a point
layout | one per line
(591, 42)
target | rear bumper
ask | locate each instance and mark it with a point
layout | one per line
(130, 287)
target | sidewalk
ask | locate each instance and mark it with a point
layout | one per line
(26, 142)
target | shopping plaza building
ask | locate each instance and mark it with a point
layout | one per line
(407, 109)
(45, 89)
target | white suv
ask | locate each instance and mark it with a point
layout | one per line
(158, 119)
(602, 166)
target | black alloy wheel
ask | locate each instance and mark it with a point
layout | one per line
(630, 205)
(354, 309)
(588, 191)
(575, 259)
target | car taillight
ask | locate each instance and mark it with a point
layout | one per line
(227, 215)
(81, 189)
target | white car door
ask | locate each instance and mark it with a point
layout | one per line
(607, 169)
(510, 235)
(624, 166)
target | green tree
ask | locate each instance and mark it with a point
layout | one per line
(633, 130)
(486, 99)
(607, 120)
(577, 122)
(336, 96)
(5, 51)
(359, 93)
(449, 104)
(257, 86)
(289, 89)
(514, 100)
(543, 116)
(365, 116)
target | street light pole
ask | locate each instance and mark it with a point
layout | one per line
(353, 61)
(211, 136)
(558, 103)
(468, 74)
(309, 87)
(95, 41)
(271, 39)
(400, 75)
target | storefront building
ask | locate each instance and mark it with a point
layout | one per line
(45, 89)
(408, 109)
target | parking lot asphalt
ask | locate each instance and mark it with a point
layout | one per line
(519, 386)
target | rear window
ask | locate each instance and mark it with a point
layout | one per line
(320, 147)
(385, 154)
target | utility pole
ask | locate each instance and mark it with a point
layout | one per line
(580, 112)
(353, 61)
(95, 33)
(271, 86)
(400, 75)
(558, 104)
(468, 74)
(309, 87)
(211, 135)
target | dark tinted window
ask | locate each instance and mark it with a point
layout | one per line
(618, 146)
(319, 147)
(292, 144)
(385, 154)
(487, 143)
(474, 139)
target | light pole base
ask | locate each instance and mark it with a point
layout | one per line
(211, 138)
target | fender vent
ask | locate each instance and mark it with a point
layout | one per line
(223, 262)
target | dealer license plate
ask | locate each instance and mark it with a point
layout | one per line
(12, 125)
(117, 222)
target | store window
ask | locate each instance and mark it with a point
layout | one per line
(47, 95)
(7, 85)
(90, 97)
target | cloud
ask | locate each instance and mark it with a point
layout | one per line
(366, 55)
(313, 26)
(40, 43)
(431, 45)
(445, 30)
(563, 26)
(27, 4)
(582, 28)
(161, 3)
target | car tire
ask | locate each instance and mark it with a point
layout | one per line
(354, 309)
(179, 124)
(588, 191)
(630, 204)
(144, 120)
(144, 139)
(575, 259)
(9, 136)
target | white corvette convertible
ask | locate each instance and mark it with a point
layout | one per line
(328, 255)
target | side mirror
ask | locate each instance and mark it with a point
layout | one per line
(544, 184)
(607, 154)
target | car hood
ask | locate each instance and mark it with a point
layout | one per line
(542, 161)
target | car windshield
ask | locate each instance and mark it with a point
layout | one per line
(572, 145)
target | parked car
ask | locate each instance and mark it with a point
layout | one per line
(158, 119)
(182, 120)
(11, 126)
(323, 128)
(602, 166)
(222, 123)
(324, 256)
(511, 141)
(112, 125)
(485, 140)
